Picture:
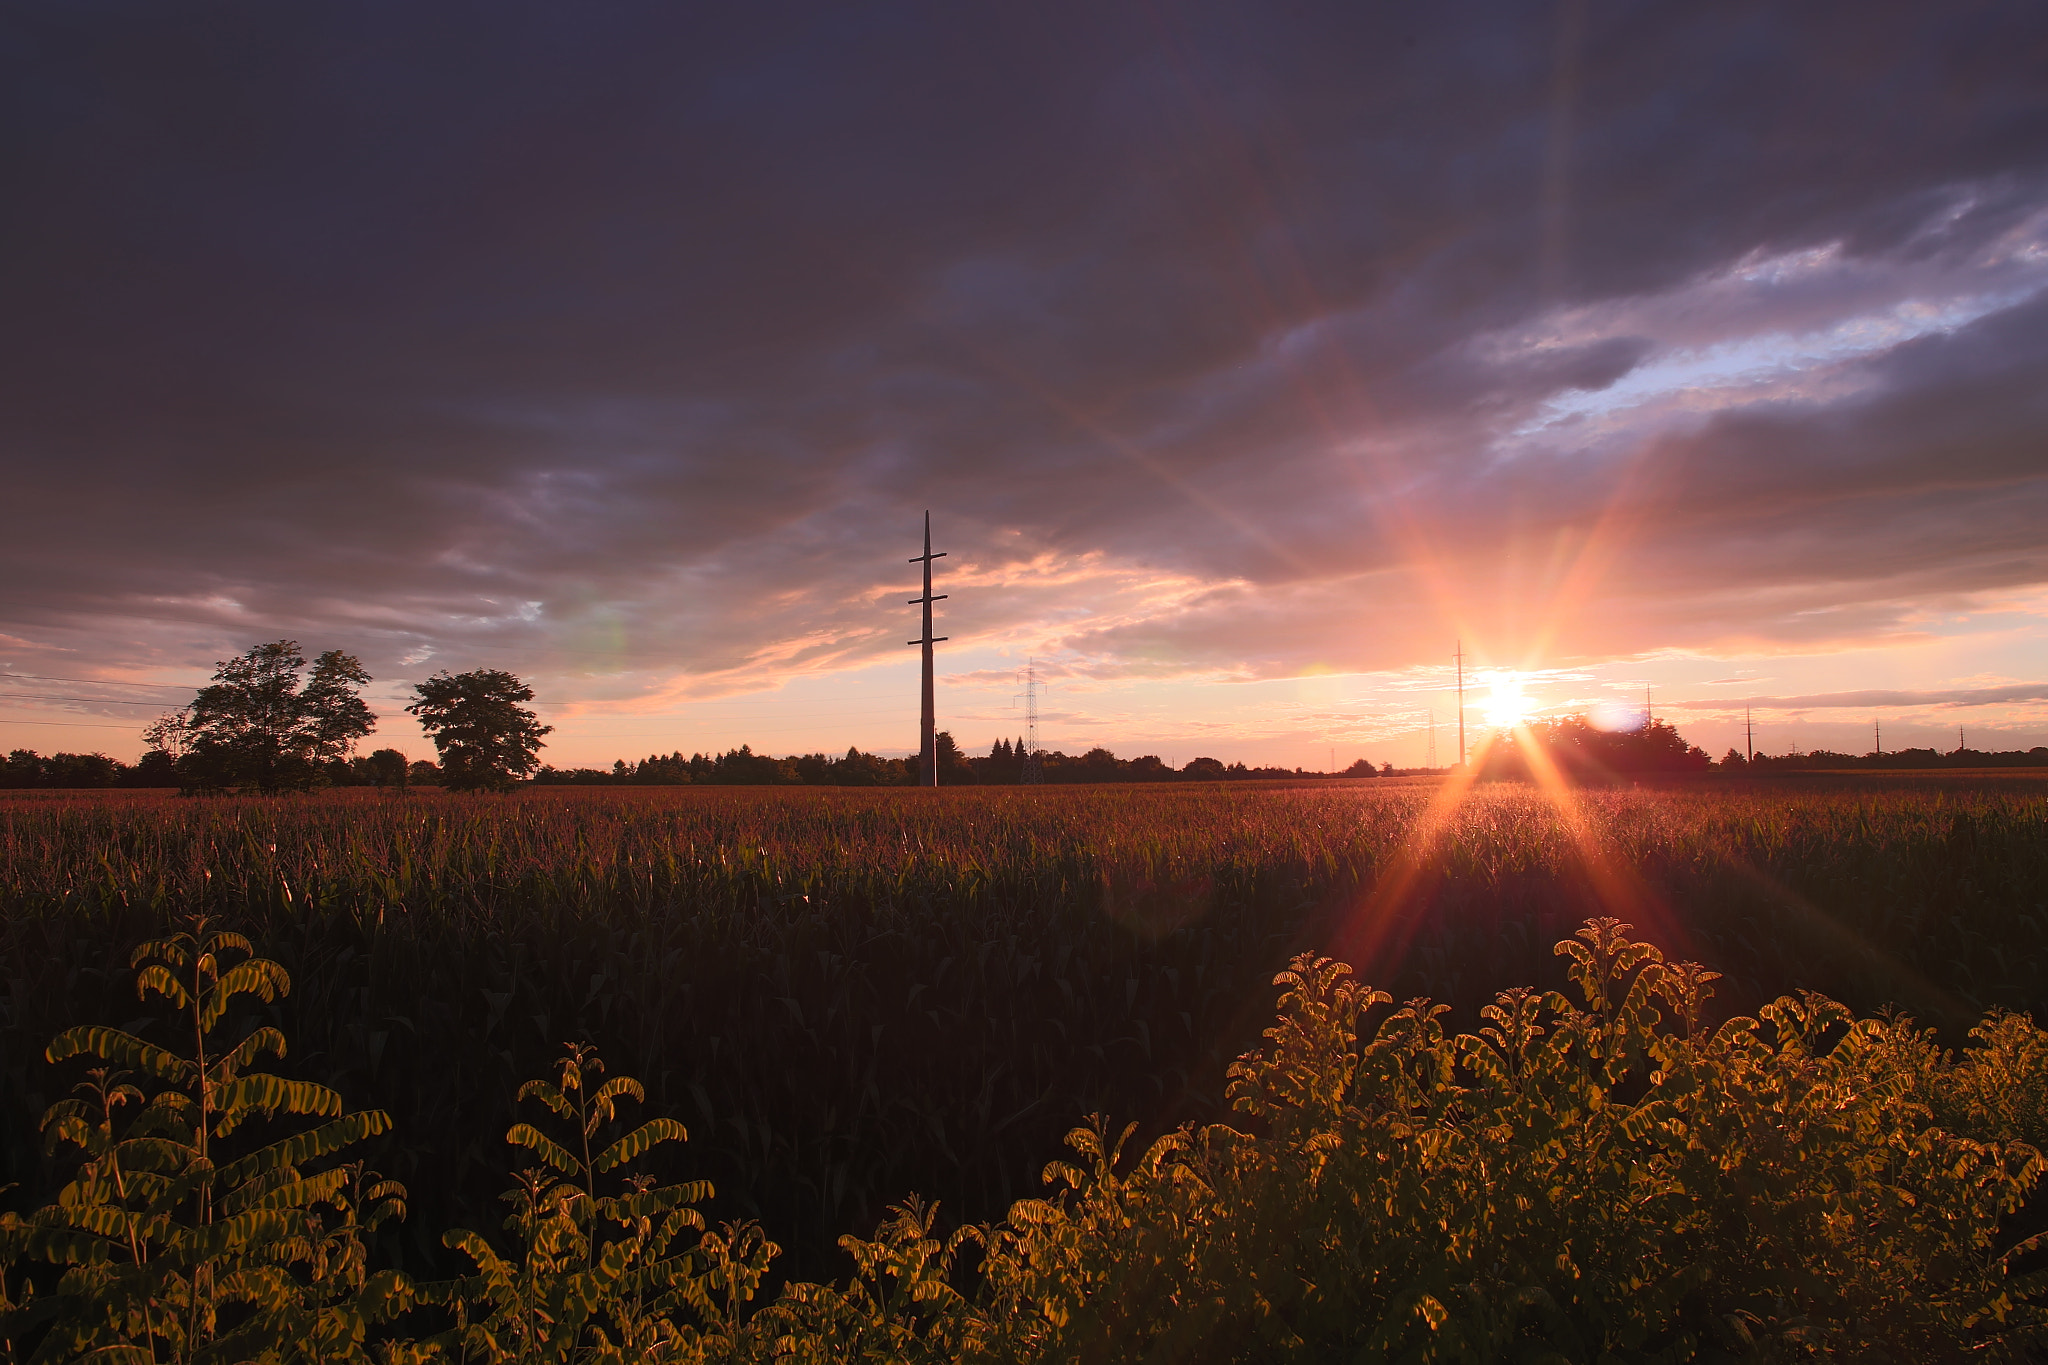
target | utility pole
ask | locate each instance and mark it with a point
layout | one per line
(1877, 737)
(1460, 657)
(1034, 767)
(1647, 717)
(1748, 736)
(928, 748)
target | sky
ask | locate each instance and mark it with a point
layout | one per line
(1249, 359)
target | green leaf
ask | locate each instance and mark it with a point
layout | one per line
(264, 1095)
(299, 1194)
(240, 1234)
(66, 1246)
(644, 1138)
(157, 977)
(174, 950)
(385, 1295)
(257, 976)
(619, 1085)
(548, 1095)
(225, 939)
(117, 1045)
(546, 1148)
(300, 1148)
(263, 1040)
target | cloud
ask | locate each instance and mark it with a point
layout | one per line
(1876, 698)
(627, 348)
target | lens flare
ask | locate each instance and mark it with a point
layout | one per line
(1507, 707)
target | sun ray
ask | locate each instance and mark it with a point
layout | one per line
(1619, 889)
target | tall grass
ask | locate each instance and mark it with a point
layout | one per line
(848, 995)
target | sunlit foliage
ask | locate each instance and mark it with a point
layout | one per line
(182, 1240)
(1606, 1179)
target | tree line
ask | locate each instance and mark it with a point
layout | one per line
(1005, 764)
(274, 721)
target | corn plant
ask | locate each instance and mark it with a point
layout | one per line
(847, 995)
(179, 1243)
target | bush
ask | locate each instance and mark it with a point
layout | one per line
(1608, 1181)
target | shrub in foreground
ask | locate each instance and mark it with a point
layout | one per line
(1602, 1181)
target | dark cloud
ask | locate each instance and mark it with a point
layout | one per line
(635, 337)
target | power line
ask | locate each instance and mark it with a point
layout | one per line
(90, 701)
(69, 724)
(100, 682)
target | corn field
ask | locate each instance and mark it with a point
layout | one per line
(848, 996)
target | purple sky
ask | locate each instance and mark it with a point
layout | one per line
(1246, 356)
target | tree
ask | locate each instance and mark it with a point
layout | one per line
(486, 738)
(953, 768)
(256, 726)
(388, 768)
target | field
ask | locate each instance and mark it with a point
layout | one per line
(849, 996)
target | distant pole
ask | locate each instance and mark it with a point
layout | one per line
(1877, 736)
(928, 747)
(1748, 735)
(1646, 706)
(1960, 746)
(1460, 657)
(1034, 768)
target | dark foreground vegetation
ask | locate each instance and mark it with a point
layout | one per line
(1607, 1178)
(849, 997)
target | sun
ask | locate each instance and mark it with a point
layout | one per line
(1507, 708)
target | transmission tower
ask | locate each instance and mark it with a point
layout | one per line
(928, 748)
(1034, 766)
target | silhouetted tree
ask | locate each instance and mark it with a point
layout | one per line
(1583, 752)
(478, 723)
(154, 769)
(953, 769)
(487, 739)
(257, 727)
(388, 768)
